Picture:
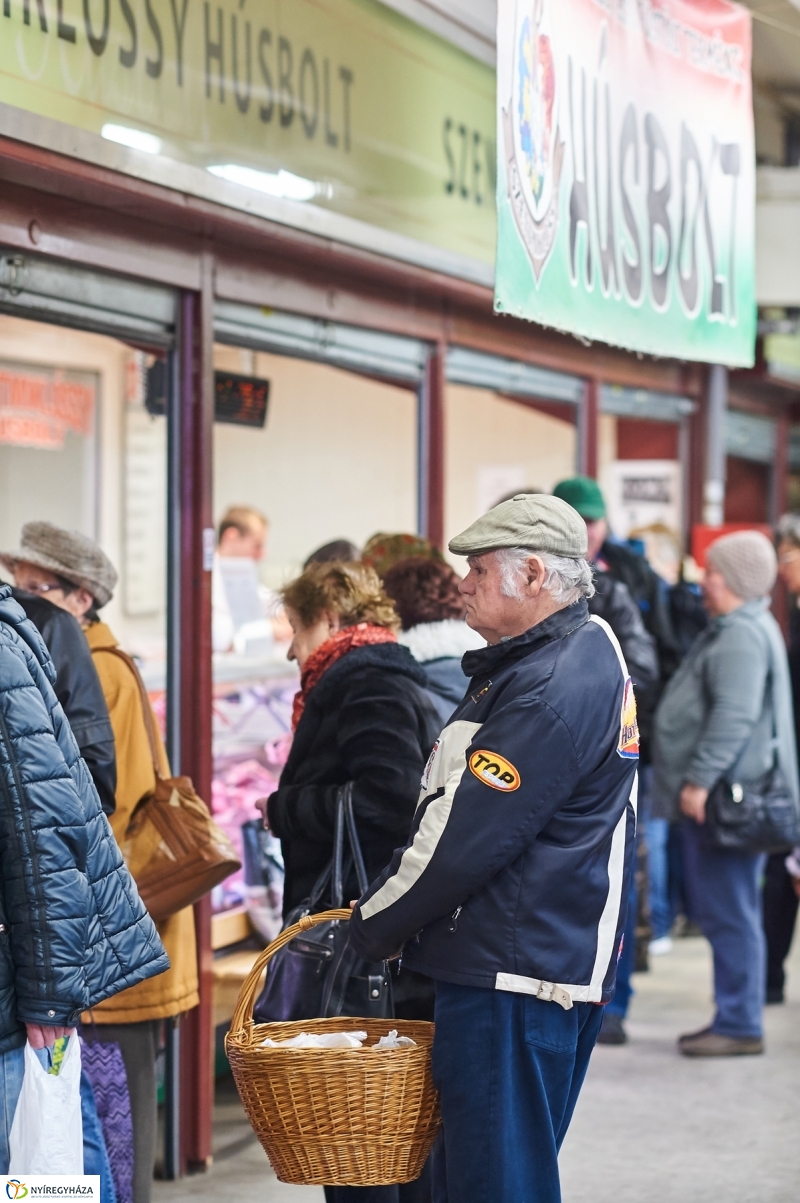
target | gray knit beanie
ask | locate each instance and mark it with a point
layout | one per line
(747, 562)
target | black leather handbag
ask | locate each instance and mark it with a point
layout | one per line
(318, 975)
(753, 816)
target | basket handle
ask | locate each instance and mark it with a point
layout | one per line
(243, 1015)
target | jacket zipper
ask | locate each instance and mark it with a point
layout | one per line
(26, 819)
(454, 918)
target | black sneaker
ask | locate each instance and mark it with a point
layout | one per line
(612, 1031)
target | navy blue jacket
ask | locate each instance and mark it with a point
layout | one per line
(73, 930)
(521, 848)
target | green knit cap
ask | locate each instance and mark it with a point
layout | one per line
(583, 494)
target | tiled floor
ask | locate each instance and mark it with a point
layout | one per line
(651, 1127)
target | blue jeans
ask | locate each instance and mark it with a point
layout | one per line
(95, 1153)
(623, 991)
(656, 832)
(12, 1068)
(725, 896)
(509, 1068)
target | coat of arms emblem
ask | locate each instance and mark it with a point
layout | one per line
(534, 151)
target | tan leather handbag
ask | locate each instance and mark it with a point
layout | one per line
(174, 850)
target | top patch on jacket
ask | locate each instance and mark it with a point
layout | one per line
(628, 746)
(494, 770)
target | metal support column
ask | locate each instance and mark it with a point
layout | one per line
(193, 647)
(430, 448)
(716, 414)
(588, 413)
(173, 1164)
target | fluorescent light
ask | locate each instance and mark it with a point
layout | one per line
(284, 184)
(137, 139)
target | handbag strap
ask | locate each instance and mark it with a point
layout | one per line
(147, 713)
(333, 872)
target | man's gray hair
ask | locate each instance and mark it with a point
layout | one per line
(788, 529)
(566, 580)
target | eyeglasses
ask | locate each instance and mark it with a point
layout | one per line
(788, 557)
(37, 587)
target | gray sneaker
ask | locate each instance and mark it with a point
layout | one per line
(712, 1044)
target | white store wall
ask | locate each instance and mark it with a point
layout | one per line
(489, 439)
(336, 458)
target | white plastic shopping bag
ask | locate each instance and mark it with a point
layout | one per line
(47, 1132)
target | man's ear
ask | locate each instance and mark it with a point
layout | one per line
(536, 574)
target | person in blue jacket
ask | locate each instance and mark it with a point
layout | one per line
(509, 890)
(73, 930)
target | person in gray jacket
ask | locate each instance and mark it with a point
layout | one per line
(727, 711)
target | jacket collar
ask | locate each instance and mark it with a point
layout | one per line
(749, 610)
(100, 637)
(488, 660)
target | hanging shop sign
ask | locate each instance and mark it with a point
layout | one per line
(343, 104)
(626, 173)
(39, 405)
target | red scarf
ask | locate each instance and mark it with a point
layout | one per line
(362, 635)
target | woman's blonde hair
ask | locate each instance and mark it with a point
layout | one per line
(351, 590)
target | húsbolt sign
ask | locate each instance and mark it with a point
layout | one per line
(626, 173)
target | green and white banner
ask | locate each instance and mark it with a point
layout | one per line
(626, 173)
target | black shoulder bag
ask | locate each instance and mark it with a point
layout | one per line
(755, 816)
(318, 974)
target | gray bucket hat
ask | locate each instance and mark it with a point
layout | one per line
(532, 520)
(66, 553)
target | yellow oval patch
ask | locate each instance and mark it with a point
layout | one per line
(494, 770)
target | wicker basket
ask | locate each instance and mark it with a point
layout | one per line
(334, 1117)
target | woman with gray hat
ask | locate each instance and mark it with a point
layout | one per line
(727, 712)
(48, 598)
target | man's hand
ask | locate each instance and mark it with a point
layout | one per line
(693, 802)
(261, 805)
(40, 1036)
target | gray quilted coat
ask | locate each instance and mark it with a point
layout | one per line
(73, 929)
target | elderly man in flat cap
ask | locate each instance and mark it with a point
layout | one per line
(509, 891)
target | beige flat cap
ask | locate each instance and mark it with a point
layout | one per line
(65, 553)
(531, 520)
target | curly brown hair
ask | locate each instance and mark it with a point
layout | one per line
(351, 590)
(424, 591)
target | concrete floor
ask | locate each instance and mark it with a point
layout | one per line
(650, 1127)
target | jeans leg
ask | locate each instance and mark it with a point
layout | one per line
(724, 891)
(623, 991)
(656, 834)
(780, 914)
(507, 1105)
(95, 1153)
(12, 1069)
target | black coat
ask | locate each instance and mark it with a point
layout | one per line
(368, 720)
(78, 689)
(612, 601)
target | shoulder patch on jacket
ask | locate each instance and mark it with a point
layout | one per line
(628, 746)
(494, 770)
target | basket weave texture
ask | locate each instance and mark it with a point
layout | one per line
(334, 1117)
